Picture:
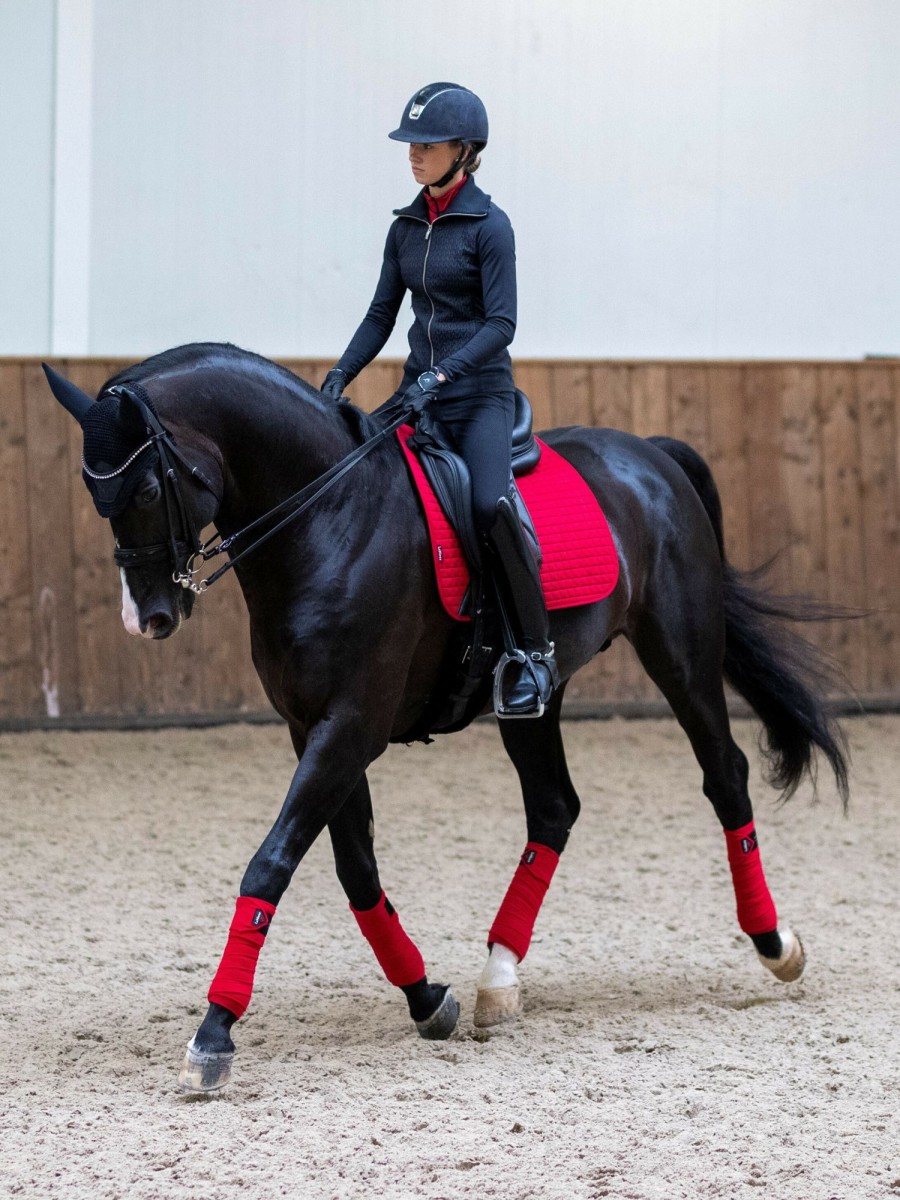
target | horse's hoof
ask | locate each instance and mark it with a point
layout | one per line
(442, 1022)
(790, 964)
(203, 1072)
(493, 1006)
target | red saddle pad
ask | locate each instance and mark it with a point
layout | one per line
(580, 564)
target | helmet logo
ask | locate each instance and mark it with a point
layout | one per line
(422, 99)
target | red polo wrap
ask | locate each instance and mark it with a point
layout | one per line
(232, 986)
(514, 923)
(393, 947)
(755, 906)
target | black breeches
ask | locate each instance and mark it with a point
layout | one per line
(481, 427)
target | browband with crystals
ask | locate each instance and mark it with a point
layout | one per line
(125, 465)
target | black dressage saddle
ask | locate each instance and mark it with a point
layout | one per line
(452, 485)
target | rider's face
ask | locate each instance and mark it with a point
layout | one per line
(430, 161)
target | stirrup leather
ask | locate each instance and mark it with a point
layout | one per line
(527, 660)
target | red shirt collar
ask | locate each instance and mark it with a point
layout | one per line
(437, 205)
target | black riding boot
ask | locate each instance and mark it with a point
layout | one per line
(527, 673)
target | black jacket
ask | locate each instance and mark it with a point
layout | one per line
(461, 272)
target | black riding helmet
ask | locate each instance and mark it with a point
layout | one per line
(445, 112)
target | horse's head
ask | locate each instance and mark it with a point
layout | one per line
(157, 493)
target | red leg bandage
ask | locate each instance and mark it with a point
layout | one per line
(233, 982)
(755, 906)
(394, 948)
(514, 923)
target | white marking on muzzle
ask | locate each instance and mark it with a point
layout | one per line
(129, 610)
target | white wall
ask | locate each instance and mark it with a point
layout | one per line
(702, 178)
(26, 173)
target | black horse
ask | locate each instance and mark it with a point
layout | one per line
(349, 637)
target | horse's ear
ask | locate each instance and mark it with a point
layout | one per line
(72, 398)
(134, 419)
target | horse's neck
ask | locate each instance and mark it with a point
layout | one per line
(270, 439)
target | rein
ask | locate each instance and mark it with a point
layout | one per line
(302, 499)
(188, 549)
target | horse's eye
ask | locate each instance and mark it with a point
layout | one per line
(148, 494)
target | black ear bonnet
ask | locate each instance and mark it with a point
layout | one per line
(121, 430)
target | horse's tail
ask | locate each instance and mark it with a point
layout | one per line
(781, 675)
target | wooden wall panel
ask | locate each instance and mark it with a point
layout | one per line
(769, 532)
(610, 396)
(51, 545)
(650, 412)
(806, 457)
(689, 406)
(801, 473)
(570, 396)
(843, 511)
(880, 495)
(19, 686)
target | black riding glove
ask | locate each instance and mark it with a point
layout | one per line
(419, 394)
(334, 383)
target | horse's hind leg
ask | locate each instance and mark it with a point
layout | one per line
(684, 656)
(431, 1005)
(551, 808)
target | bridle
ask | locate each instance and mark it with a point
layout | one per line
(186, 553)
(178, 549)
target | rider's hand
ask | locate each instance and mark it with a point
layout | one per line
(423, 390)
(334, 383)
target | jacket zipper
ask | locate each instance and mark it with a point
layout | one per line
(426, 291)
(429, 225)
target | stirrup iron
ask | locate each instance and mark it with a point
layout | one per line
(506, 659)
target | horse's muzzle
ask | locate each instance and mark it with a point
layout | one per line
(161, 625)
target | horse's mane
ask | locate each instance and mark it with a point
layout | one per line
(233, 359)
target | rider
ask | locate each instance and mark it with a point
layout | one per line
(453, 248)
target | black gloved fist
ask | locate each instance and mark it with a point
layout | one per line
(334, 383)
(422, 391)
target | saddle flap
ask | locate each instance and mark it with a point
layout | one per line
(451, 483)
(449, 477)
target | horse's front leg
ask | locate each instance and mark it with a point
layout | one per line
(330, 767)
(431, 1005)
